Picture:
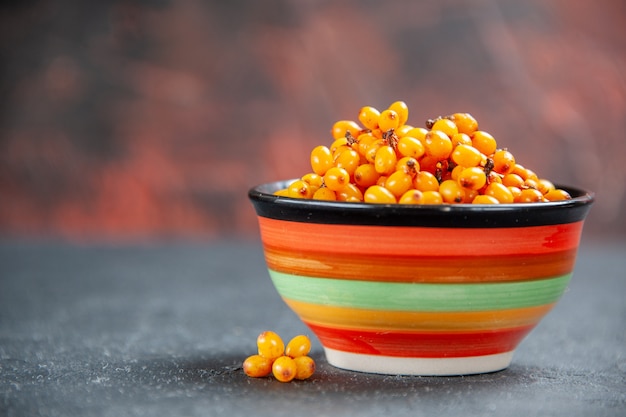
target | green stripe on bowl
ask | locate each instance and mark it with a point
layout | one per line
(418, 296)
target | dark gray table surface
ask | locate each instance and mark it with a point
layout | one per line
(162, 329)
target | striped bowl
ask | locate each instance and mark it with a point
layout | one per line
(420, 290)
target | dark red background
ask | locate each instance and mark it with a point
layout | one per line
(129, 119)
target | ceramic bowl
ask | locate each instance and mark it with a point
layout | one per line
(419, 290)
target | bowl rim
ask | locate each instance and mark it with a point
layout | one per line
(267, 204)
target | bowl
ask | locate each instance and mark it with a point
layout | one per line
(422, 289)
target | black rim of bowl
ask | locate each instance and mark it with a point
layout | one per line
(269, 205)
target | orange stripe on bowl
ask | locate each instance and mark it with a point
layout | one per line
(425, 241)
(437, 322)
(393, 268)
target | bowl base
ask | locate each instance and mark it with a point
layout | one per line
(391, 365)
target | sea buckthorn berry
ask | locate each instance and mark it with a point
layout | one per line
(284, 369)
(341, 127)
(500, 192)
(399, 183)
(545, 186)
(338, 144)
(350, 192)
(325, 194)
(379, 195)
(366, 175)
(484, 142)
(298, 346)
(465, 123)
(493, 176)
(321, 160)
(282, 192)
(485, 199)
(370, 154)
(513, 180)
(557, 195)
(410, 146)
(531, 183)
(431, 197)
(529, 195)
(270, 345)
(461, 139)
(473, 178)
(418, 133)
(349, 160)
(402, 130)
(451, 192)
(503, 161)
(446, 126)
(456, 171)
(388, 120)
(368, 116)
(425, 181)
(300, 189)
(385, 160)
(257, 366)
(305, 367)
(313, 180)
(409, 165)
(336, 178)
(438, 145)
(412, 196)
(363, 142)
(402, 110)
(466, 155)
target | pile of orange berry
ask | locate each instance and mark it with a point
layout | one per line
(285, 363)
(383, 159)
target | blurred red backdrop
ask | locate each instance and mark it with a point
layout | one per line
(130, 119)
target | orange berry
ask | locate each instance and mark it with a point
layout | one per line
(485, 199)
(399, 183)
(257, 366)
(336, 178)
(473, 178)
(368, 116)
(324, 193)
(557, 195)
(425, 181)
(284, 369)
(270, 345)
(402, 110)
(451, 192)
(298, 346)
(438, 145)
(305, 367)
(503, 162)
(321, 160)
(379, 195)
(385, 160)
(388, 120)
(465, 123)
(484, 142)
(500, 192)
(300, 189)
(446, 126)
(341, 127)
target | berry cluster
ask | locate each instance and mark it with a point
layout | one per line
(385, 160)
(285, 363)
